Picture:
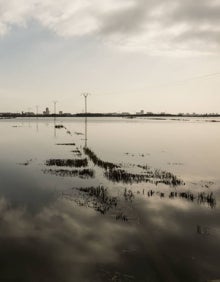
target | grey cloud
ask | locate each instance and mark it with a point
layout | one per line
(128, 21)
(199, 36)
(172, 15)
(137, 24)
(196, 12)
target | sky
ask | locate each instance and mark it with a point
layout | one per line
(131, 55)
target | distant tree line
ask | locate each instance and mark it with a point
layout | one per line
(30, 114)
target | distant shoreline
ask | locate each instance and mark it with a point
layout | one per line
(129, 116)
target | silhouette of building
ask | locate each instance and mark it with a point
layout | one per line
(125, 113)
(140, 113)
(46, 112)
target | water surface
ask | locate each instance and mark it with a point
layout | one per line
(50, 230)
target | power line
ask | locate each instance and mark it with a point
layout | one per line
(185, 80)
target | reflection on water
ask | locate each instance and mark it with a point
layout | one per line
(86, 132)
(88, 227)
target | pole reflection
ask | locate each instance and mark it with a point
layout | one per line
(54, 125)
(37, 125)
(86, 131)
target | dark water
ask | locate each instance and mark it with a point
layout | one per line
(112, 229)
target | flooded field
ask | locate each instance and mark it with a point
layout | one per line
(109, 199)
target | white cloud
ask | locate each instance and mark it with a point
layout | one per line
(135, 25)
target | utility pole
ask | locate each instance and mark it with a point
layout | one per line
(85, 95)
(55, 107)
(37, 118)
(37, 110)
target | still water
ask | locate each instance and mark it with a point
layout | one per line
(137, 200)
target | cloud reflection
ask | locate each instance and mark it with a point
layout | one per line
(58, 243)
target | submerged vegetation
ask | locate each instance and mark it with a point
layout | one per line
(59, 126)
(77, 152)
(97, 161)
(78, 133)
(102, 201)
(26, 163)
(115, 174)
(84, 173)
(67, 162)
(65, 144)
(155, 177)
(200, 198)
(99, 196)
(128, 195)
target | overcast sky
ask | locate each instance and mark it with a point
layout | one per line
(155, 55)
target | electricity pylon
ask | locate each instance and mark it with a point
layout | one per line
(85, 96)
(55, 107)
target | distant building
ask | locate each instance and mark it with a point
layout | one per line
(125, 113)
(46, 112)
(140, 113)
(28, 114)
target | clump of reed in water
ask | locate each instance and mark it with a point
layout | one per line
(156, 177)
(207, 198)
(58, 126)
(187, 196)
(67, 162)
(121, 216)
(202, 198)
(85, 173)
(167, 178)
(65, 144)
(103, 202)
(77, 152)
(99, 162)
(128, 195)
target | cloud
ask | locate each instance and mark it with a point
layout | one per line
(155, 26)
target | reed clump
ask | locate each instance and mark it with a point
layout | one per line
(84, 173)
(103, 202)
(155, 177)
(121, 216)
(67, 162)
(77, 151)
(187, 195)
(99, 162)
(207, 198)
(59, 126)
(128, 195)
(202, 198)
(65, 144)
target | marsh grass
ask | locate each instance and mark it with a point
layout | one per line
(102, 201)
(99, 162)
(84, 173)
(67, 162)
(65, 144)
(153, 176)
